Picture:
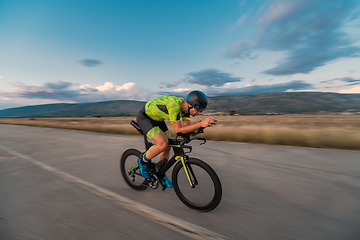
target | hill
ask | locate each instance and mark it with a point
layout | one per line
(111, 108)
(275, 103)
(288, 103)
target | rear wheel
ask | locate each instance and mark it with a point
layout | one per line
(130, 170)
(206, 193)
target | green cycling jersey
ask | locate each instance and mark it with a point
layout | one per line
(166, 108)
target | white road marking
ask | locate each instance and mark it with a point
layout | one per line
(176, 224)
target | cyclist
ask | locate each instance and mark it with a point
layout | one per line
(151, 121)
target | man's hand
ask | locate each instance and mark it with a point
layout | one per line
(207, 122)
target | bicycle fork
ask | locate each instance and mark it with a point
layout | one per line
(189, 172)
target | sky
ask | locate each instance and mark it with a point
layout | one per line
(54, 51)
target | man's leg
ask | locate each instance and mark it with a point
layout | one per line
(161, 145)
(165, 154)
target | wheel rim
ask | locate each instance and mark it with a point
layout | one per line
(203, 193)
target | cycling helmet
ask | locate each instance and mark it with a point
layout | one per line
(197, 100)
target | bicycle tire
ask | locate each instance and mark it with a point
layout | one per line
(127, 162)
(208, 182)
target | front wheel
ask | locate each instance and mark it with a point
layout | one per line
(130, 170)
(205, 193)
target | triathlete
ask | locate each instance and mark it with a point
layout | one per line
(151, 121)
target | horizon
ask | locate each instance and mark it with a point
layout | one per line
(91, 51)
(177, 95)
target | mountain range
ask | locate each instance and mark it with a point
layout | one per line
(270, 103)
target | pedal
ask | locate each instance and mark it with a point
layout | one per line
(153, 182)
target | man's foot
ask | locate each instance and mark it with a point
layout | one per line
(143, 169)
(167, 182)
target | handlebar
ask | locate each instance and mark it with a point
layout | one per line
(187, 136)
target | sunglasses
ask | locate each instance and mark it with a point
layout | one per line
(199, 108)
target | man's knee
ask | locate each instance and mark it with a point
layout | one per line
(166, 150)
(161, 141)
(164, 144)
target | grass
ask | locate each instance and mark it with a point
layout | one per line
(320, 131)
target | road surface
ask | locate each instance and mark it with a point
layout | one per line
(64, 184)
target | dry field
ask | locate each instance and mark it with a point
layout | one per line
(321, 131)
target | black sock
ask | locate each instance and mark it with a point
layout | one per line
(143, 162)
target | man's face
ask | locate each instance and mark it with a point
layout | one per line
(194, 112)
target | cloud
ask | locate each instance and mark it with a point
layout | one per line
(62, 91)
(242, 50)
(211, 77)
(208, 77)
(173, 83)
(182, 90)
(90, 62)
(309, 32)
(355, 89)
(296, 85)
(350, 80)
(240, 22)
(259, 89)
(58, 85)
(58, 90)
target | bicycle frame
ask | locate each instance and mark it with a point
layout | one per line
(178, 154)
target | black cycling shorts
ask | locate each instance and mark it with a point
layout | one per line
(149, 126)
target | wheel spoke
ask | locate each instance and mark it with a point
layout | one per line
(130, 170)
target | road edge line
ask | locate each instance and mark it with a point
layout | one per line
(176, 224)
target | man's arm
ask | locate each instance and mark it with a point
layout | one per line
(192, 127)
(186, 122)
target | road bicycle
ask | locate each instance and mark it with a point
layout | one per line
(195, 183)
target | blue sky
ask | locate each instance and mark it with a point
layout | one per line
(87, 51)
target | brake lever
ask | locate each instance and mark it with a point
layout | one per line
(197, 138)
(204, 139)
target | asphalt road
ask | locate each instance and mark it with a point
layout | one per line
(63, 184)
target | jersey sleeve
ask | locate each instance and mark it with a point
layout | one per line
(186, 116)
